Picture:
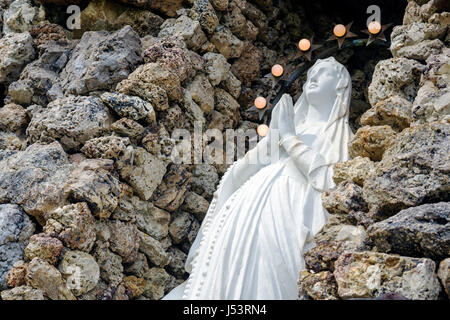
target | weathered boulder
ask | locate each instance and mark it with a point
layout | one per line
(124, 240)
(80, 270)
(20, 16)
(180, 226)
(195, 204)
(354, 170)
(99, 62)
(318, 286)
(154, 250)
(16, 50)
(216, 67)
(370, 274)
(71, 120)
(202, 92)
(422, 231)
(346, 197)
(204, 13)
(16, 228)
(34, 178)
(109, 147)
(371, 142)
(156, 283)
(13, 117)
(186, 28)
(247, 67)
(111, 268)
(73, 224)
(22, 293)
(395, 77)
(414, 171)
(45, 277)
(17, 274)
(227, 105)
(205, 180)
(227, 43)
(44, 247)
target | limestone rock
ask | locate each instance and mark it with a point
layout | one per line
(100, 61)
(318, 286)
(170, 52)
(195, 204)
(109, 147)
(155, 74)
(346, 197)
(371, 142)
(227, 43)
(417, 40)
(73, 225)
(414, 171)
(216, 67)
(227, 105)
(124, 240)
(393, 111)
(16, 50)
(34, 178)
(370, 274)
(144, 174)
(71, 120)
(89, 182)
(16, 275)
(45, 277)
(45, 247)
(130, 107)
(13, 117)
(22, 293)
(395, 77)
(16, 228)
(80, 271)
(422, 231)
(153, 250)
(444, 274)
(202, 92)
(186, 28)
(355, 170)
(171, 193)
(204, 13)
(20, 15)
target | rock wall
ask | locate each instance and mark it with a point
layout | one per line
(389, 233)
(96, 207)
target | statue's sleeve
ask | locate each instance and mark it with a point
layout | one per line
(310, 162)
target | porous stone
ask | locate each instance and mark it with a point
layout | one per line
(444, 274)
(139, 268)
(227, 105)
(180, 226)
(168, 7)
(247, 68)
(177, 261)
(16, 275)
(71, 120)
(99, 62)
(186, 28)
(370, 274)
(45, 247)
(109, 147)
(153, 249)
(128, 128)
(216, 67)
(157, 281)
(318, 286)
(414, 171)
(45, 32)
(395, 77)
(20, 16)
(346, 197)
(124, 240)
(204, 13)
(195, 204)
(394, 111)
(201, 91)
(422, 231)
(134, 286)
(13, 117)
(232, 85)
(16, 228)
(205, 180)
(34, 178)
(22, 293)
(355, 170)
(130, 107)
(371, 142)
(73, 224)
(10, 141)
(227, 43)
(45, 277)
(80, 270)
(110, 264)
(16, 50)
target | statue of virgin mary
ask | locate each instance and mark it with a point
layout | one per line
(263, 216)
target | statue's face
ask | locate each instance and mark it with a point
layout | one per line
(321, 85)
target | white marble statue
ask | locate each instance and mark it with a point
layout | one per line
(263, 216)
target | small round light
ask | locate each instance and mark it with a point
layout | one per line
(277, 70)
(304, 44)
(374, 27)
(262, 130)
(260, 102)
(339, 30)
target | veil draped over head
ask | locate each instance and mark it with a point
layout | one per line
(337, 131)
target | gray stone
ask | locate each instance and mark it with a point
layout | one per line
(16, 50)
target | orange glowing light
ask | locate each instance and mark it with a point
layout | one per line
(304, 44)
(374, 27)
(260, 102)
(277, 70)
(262, 130)
(339, 30)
